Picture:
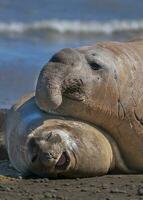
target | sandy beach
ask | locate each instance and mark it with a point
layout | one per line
(109, 187)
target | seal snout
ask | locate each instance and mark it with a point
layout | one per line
(61, 76)
(43, 157)
(39, 151)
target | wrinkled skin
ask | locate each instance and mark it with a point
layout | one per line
(100, 84)
(51, 146)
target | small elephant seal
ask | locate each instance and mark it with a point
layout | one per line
(52, 146)
(103, 85)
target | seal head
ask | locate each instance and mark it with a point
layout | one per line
(51, 153)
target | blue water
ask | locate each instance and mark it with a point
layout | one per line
(31, 31)
(29, 10)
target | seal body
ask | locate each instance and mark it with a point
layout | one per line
(53, 146)
(100, 84)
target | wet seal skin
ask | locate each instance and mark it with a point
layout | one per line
(3, 151)
(102, 85)
(54, 146)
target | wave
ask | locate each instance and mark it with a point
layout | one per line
(65, 26)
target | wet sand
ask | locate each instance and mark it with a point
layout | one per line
(109, 187)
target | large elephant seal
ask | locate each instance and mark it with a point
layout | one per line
(101, 84)
(52, 146)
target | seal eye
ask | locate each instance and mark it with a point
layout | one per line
(95, 66)
(48, 136)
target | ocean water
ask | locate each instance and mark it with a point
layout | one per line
(32, 30)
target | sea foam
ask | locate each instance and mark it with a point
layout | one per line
(65, 26)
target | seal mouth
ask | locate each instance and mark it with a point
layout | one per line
(63, 161)
(73, 89)
(74, 96)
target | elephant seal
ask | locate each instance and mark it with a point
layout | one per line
(103, 85)
(51, 146)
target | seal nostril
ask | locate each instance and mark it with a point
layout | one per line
(34, 158)
(47, 156)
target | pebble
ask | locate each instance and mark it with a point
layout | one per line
(104, 186)
(66, 184)
(92, 185)
(84, 190)
(118, 191)
(140, 190)
(56, 189)
(4, 188)
(47, 195)
(53, 196)
(60, 197)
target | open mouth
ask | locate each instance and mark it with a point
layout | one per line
(63, 161)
